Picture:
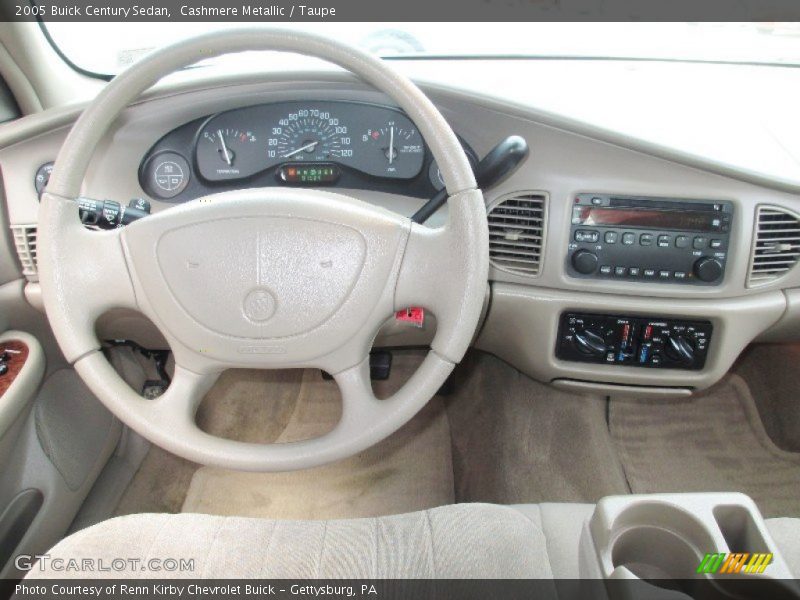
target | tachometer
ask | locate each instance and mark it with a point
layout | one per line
(309, 134)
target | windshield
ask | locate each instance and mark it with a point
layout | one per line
(108, 48)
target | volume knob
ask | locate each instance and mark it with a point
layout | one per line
(708, 269)
(584, 262)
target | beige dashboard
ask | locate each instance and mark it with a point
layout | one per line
(522, 320)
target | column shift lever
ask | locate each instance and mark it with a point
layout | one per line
(498, 164)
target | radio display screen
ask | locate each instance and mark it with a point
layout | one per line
(684, 220)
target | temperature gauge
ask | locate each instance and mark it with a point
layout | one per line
(396, 150)
(227, 153)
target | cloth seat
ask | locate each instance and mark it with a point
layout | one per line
(458, 541)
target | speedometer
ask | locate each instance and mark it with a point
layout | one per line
(309, 134)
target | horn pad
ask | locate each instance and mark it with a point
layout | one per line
(261, 277)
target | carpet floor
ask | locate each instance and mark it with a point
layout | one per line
(714, 441)
(498, 436)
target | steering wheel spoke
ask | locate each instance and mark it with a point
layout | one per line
(186, 390)
(358, 400)
(445, 270)
(92, 278)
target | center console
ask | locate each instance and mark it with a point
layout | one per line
(654, 240)
(683, 546)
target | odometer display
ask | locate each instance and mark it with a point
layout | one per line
(309, 174)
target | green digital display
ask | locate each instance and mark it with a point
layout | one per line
(309, 174)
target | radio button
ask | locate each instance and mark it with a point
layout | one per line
(605, 270)
(634, 271)
(620, 271)
(680, 275)
(681, 241)
(611, 237)
(716, 244)
(646, 239)
(700, 242)
(664, 274)
(583, 235)
(628, 238)
(663, 241)
(649, 272)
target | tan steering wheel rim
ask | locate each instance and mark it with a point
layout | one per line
(381, 262)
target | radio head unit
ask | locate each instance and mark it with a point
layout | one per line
(659, 240)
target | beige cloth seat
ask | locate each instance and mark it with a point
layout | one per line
(458, 541)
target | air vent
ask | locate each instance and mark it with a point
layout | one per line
(516, 233)
(776, 248)
(25, 241)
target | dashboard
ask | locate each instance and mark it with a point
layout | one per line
(353, 145)
(603, 252)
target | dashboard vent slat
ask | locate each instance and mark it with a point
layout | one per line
(776, 248)
(516, 233)
(25, 243)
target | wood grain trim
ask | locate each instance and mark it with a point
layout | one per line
(15, 362)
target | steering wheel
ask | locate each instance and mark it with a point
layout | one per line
(263, 278)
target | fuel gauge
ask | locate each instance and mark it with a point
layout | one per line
(396, 150)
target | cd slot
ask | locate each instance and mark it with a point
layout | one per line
(654, 204)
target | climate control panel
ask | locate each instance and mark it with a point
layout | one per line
(633, 341)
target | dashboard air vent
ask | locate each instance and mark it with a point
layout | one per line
(25, 242)
(776, 247)
(516, 233)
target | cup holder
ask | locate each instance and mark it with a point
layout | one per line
(654, 540)
(653, 553)
(653, 546)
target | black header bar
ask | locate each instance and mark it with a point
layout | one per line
(266, 11)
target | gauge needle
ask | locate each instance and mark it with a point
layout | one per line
(391, 144)
(306, 147)
(225, 152)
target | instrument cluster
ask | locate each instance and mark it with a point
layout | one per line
(324, 143)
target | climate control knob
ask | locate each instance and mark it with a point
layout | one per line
(708, 269)
(584, 262)
(590, 343)
(679, 349)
